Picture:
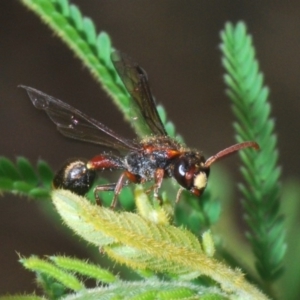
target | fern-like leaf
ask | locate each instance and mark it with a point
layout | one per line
(58, 273)
(22, 178)
(41, 266)
(260, 170)
(22, 297)
(150, 289)
(80, 35)
(57, 278)
(84, 268)
(141, 244)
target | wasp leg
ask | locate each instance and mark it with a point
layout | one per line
(103, 162)
(158, 179)
(102, 188)
(180, 190)
(116, 187)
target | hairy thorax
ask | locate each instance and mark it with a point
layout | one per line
(156, 152)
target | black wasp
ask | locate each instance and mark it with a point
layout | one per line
(154, 157)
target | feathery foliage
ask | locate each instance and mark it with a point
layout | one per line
(21, 178)
(146, 289)
(142, 244)
(260, 170)
(130, 239)
(79, 33)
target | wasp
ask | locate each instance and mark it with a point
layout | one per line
(152, 158)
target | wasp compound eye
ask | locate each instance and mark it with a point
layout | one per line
(182, 173)
(75, 176)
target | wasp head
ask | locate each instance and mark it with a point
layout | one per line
(191, 173)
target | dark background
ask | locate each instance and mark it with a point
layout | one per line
(177, 43)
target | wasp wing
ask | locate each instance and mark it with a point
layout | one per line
(136, 82)
(74, 124)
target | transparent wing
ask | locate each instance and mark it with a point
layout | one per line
(136, 82)
(74, 124)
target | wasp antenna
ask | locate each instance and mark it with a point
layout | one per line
(231, 150)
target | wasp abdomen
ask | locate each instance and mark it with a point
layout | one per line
(75, 176)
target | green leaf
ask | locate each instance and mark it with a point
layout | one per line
(6, 184)
(84, 268)
(8, 170)
(22, 187)
(22, 297)
(27, 171)
(89, 30)
(104, 46)
(80, 35)
(39, 265)
(245, 87)
(151, 290)
(138, 242)
(39, 193)
(22, 178)
(76, 17)
(45, 173)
